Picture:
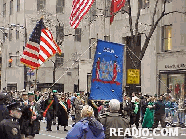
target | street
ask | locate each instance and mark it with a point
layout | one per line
(61, 134)
(58, 134)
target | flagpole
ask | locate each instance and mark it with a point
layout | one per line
(36, 82)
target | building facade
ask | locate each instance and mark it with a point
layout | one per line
(162, 67)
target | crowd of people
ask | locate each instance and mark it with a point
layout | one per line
(22, 113)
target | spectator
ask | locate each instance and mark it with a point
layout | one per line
(86, 128)
(113, 120)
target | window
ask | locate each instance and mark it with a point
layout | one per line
(17, 58)
(4, 10)
(144, 4)
(60, 6)
(167, 38)
(41, 4)
(17, 34)
(59, 60)
(168, 1)
(107, 8)
(10, 34)
(59, 34)
(18, 5)
(93, 11)
(92, 47)
(107, 38)
(11, 7)
(78, 34)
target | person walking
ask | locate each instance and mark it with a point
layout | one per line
(29, 121)
(149, 115)
(159, 112)
(62, 113)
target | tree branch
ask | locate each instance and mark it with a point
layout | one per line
(154, 13)
(152, 31)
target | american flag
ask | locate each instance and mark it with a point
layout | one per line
(40, 47)
(79, 9)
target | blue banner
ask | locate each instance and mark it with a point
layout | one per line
(107, 72)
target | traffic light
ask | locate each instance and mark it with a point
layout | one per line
(10, 62)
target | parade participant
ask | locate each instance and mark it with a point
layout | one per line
(78, 107)
(49, 111)
(9, 128)
(137, 112)
(3, 109)
(149, 115)
(88, 127)
(62, 113)
(94, 106)
(37, 96)
(68, 103)
(113, 120)
(29, 122)
(159, 114)
(24, 98)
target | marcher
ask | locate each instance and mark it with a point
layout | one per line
(62, 114)
(113, 120)
(29, 121)
(9, 128)
(159, 113)
(137, 112)
(78, 107)
(88, 127)
(149, 115)
(49, 111)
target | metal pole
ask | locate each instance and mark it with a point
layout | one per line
(36, 81)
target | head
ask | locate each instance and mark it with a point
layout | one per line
(173, 100)
(137, 100)
(14, 110)
(24, 96)
(31, 96)
(87, 111)
(114, 105)
(51, 96)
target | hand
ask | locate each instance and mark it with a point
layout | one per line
(33, 117)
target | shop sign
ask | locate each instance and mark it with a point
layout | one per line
(133, 76)
(175, 66)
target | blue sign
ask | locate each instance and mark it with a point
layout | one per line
(107, 72)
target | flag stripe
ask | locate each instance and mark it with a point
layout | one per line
(30, 63)
(46, 47)
(50, 47)
(80, 8)
(82, 14)
(48, 40)
(26, 53)
(44, 51)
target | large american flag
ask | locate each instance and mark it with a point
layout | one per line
(79, 9)
(40, 47)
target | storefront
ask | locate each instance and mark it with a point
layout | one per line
(172, 74)
(173, 82)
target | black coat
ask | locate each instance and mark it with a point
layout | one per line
(9, 129)
(26, 125)
(3, 111)
(62, 116)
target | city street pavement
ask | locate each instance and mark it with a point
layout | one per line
(54, 134)
(61, 134)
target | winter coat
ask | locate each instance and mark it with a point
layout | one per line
(4, 113)
(82, 130)
(148, 117)
(113, 120)
(26, 125)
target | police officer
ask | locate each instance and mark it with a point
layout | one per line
(9, 128)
